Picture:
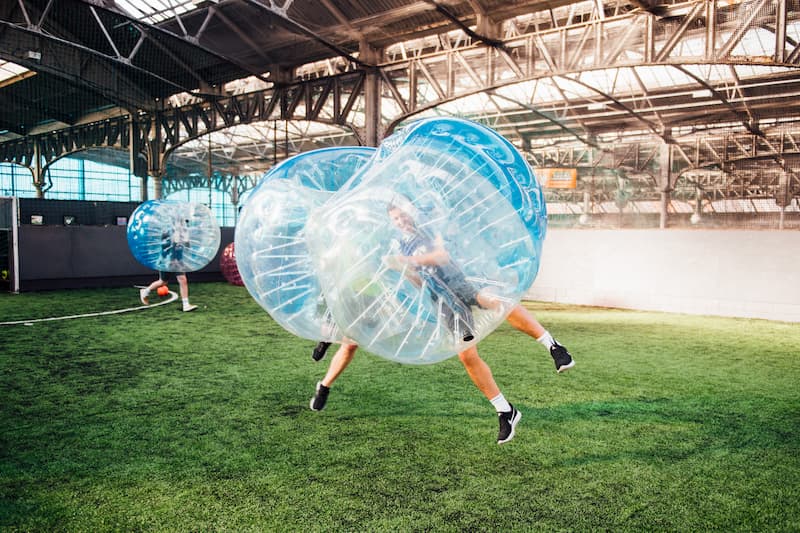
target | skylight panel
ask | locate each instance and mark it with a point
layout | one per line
(757, 42)
(154, 11)
(659, 77)
(12, 73)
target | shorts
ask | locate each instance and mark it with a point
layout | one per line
(459, 321)
(177, 252)
(464, 290)
(455, 298)
(162, 274)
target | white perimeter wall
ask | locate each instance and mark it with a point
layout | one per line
(750, 274)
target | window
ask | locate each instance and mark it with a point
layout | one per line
(16, 180)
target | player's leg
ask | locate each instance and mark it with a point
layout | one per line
(144, 294)
(183, 285)
(522, 319)
(481, 375)
(320, 350)
(338, 364)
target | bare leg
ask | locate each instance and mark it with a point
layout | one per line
(479, 372)
(144, 294)
(339, 362)
(520, 318)
(183, 284)
(523, 320)
(156, 284)
(481, 375)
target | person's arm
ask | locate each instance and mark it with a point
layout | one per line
(437, 256)
(409, 264)
(397, 262)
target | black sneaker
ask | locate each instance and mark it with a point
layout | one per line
(508, 421)
(561, 357)
(319, 350)
(320, 397)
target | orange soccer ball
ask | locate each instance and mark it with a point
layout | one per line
(163, 290)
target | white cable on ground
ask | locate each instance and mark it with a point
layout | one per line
(172, 297)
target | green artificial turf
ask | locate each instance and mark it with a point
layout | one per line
(158, 420)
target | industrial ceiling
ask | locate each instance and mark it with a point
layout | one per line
(717, 79)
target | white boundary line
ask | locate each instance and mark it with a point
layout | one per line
(172, 298)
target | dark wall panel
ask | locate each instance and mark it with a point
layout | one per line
(55, 257)
(85, 213)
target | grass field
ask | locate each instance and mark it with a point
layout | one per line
(158, 420)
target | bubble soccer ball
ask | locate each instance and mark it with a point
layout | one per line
(172, 236)
(433, 242)
(227, 264)
(271, 253)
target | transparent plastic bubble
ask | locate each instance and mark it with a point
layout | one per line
(432, 243)
(172, 236)
(271, 252)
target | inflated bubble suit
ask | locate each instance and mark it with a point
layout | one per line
(458, 199)
(271, 252)
(173, 236)
(227, 265)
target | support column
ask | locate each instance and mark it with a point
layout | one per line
(586, 217)
(157, 170)
(156, 187)
(134, 147)
(782, 196)
(38, 172)
(236, 173)
(697, 216)
(372, 95)
(156, 157)
(662, 224)
(143, 188)
(665, 182)
(372, 108)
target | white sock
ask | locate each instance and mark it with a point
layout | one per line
(500, 403)
(546, 340)
(185, 302)
(146, 291)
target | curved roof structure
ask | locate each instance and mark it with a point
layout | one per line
(573, 83)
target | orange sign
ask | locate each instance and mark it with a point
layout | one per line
(558, 178)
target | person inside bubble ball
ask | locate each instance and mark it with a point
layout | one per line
(425, 261)
(430, 263)
(173, 243)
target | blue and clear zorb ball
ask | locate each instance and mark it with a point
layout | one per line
(271, 252)
(435, 242)
(172, 236)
